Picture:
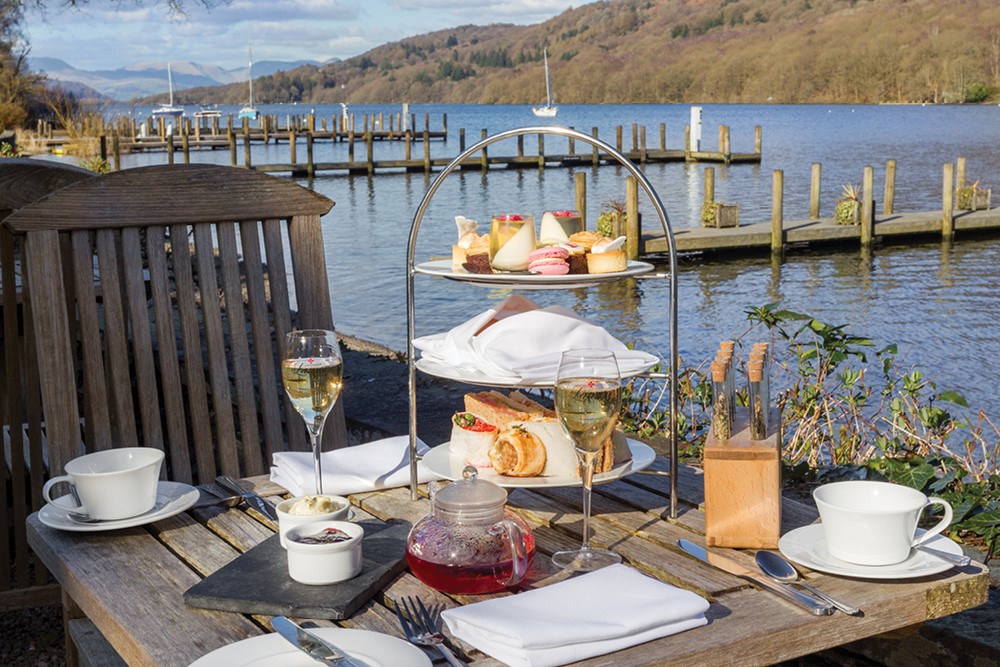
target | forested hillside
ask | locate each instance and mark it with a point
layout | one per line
(781, 51)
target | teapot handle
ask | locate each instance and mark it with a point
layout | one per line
(518, 551)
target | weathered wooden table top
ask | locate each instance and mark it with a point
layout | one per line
(131, 582)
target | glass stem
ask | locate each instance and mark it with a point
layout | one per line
(587, 458)
(316, 436)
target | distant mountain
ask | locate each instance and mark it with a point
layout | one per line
(150, 78)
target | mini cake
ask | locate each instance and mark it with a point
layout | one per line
(512, 238)
(549, 261)
(585, 239)
(577, 259)
(607, 256)
(558, 225)
(469, 242)
(478, 263)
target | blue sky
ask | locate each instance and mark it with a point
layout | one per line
(98, 36)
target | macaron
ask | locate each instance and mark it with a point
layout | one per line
(549, 261)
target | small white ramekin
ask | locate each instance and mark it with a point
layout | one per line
(319, 564)
(286, 520)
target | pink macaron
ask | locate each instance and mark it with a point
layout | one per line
(549, 261)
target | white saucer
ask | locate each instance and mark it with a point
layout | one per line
(371, 649)
(171, 498)
(807, 546)
(440, 461)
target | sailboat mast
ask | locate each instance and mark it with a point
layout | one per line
(170, 84)
(548, 81)
(250, 71)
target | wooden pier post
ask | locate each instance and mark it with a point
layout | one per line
(642, 144)
(407, 144)
(889, 194)
(959, 173)
(427, 151)
(595, 160)
(635, 137)
(370, 149)
(116, 151)
(541, 151)
(350, 144)
(580, 198)
(231, 136)
(687, 143)
(292, 157)
(867, 207)
(757, 140)
(727, 153)
(444, 125)
(947, 202)
(777, 213)
(663, 136)
(520, 145)
(186, 148)
(632, 230)
(246, 144)
(814, 190)
(461, 140)
(618, 138)
(572, 145)
(170, 149)
(709, 195)
(104, 147)
(484, 159)
(310, 164)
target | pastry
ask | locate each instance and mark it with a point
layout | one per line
(585, 239)
(549, 261)
(478, 263)
(518, 453)
(558, 225)
(607, 256)
(471, 439)
(469, 242)
(512, 238)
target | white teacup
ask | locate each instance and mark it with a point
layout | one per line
(286, 520)
(874, 523)
(112, 484)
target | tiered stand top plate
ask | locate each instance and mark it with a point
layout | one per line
(525, 280)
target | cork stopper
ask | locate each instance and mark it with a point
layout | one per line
(728, 346)
(755, 371)
(719, 371)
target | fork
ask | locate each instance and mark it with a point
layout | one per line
(424, 627)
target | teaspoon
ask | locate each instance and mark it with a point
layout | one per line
(779, 569)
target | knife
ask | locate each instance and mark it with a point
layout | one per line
(725, 564)
(263, 506)
(311, 644)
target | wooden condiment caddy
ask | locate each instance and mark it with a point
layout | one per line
(743, 485)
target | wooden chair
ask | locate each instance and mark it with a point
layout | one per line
(23, 582)
(180, 295)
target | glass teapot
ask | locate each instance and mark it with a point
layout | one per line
(470, 542)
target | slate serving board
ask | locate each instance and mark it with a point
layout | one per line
(258, 582)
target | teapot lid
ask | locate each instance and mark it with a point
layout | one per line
(470, 494)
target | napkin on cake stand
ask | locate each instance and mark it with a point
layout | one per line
(381, 464)
(519, 342)
(592, 614)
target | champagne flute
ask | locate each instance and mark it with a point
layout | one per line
(311, 372)
(588, 397)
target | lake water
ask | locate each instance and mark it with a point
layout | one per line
(939, 304)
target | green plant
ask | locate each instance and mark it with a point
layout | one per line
(966, 196)
(844, 212)
(96, 164)
(8, 149)
(708, 210)
(850, 410)
(609, 221)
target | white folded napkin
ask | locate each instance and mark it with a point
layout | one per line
(382, 464)
(525, 346)
(592, 614)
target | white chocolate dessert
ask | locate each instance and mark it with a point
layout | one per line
(511, 253)
(312, 505)
(470, 242)
(558, 226)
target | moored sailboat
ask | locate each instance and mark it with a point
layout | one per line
(549, 110)
(250, 111)
(168, 110)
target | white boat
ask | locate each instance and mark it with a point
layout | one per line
(169, 110)
(250, 111)
(549, 110)
(210, 112)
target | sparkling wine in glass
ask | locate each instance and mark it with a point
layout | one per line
(588, 397)
(311, 372)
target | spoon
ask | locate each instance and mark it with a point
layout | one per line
(779, 569)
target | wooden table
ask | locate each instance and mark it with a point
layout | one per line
(130, 583)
